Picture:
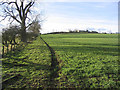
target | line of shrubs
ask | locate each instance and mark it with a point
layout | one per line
(11, 38)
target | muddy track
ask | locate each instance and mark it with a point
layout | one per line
(54, 67)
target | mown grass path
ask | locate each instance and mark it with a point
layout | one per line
(28, 67)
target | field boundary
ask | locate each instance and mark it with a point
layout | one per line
(27, 68)
(54, 66)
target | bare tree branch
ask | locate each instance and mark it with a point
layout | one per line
(12, 21)
(9, 14)
(27, 8)
(4, 18)
(29, 24)
(19, 10)
(2, 3)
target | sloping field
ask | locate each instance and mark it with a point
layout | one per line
(87, 60)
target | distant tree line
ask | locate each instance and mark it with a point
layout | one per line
(82, 31)
(74, 31)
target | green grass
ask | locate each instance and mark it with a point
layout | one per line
(32, 64)
(88, 60)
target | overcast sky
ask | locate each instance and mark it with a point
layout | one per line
(62, 15)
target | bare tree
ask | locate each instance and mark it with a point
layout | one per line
(19, 11)
(35, 27)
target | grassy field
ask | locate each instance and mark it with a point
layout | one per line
(88, 60)
(82, 61)
(28, 67)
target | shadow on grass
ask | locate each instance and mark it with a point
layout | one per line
(107, 69)
(23, 65)
(54, 67)
(88, 49)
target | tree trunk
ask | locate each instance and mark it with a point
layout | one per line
(3, 51)
(7, 47)
(23, 33)
(11, 44)
(14, 43)
(11, 47)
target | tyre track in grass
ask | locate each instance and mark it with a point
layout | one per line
(54, 67)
